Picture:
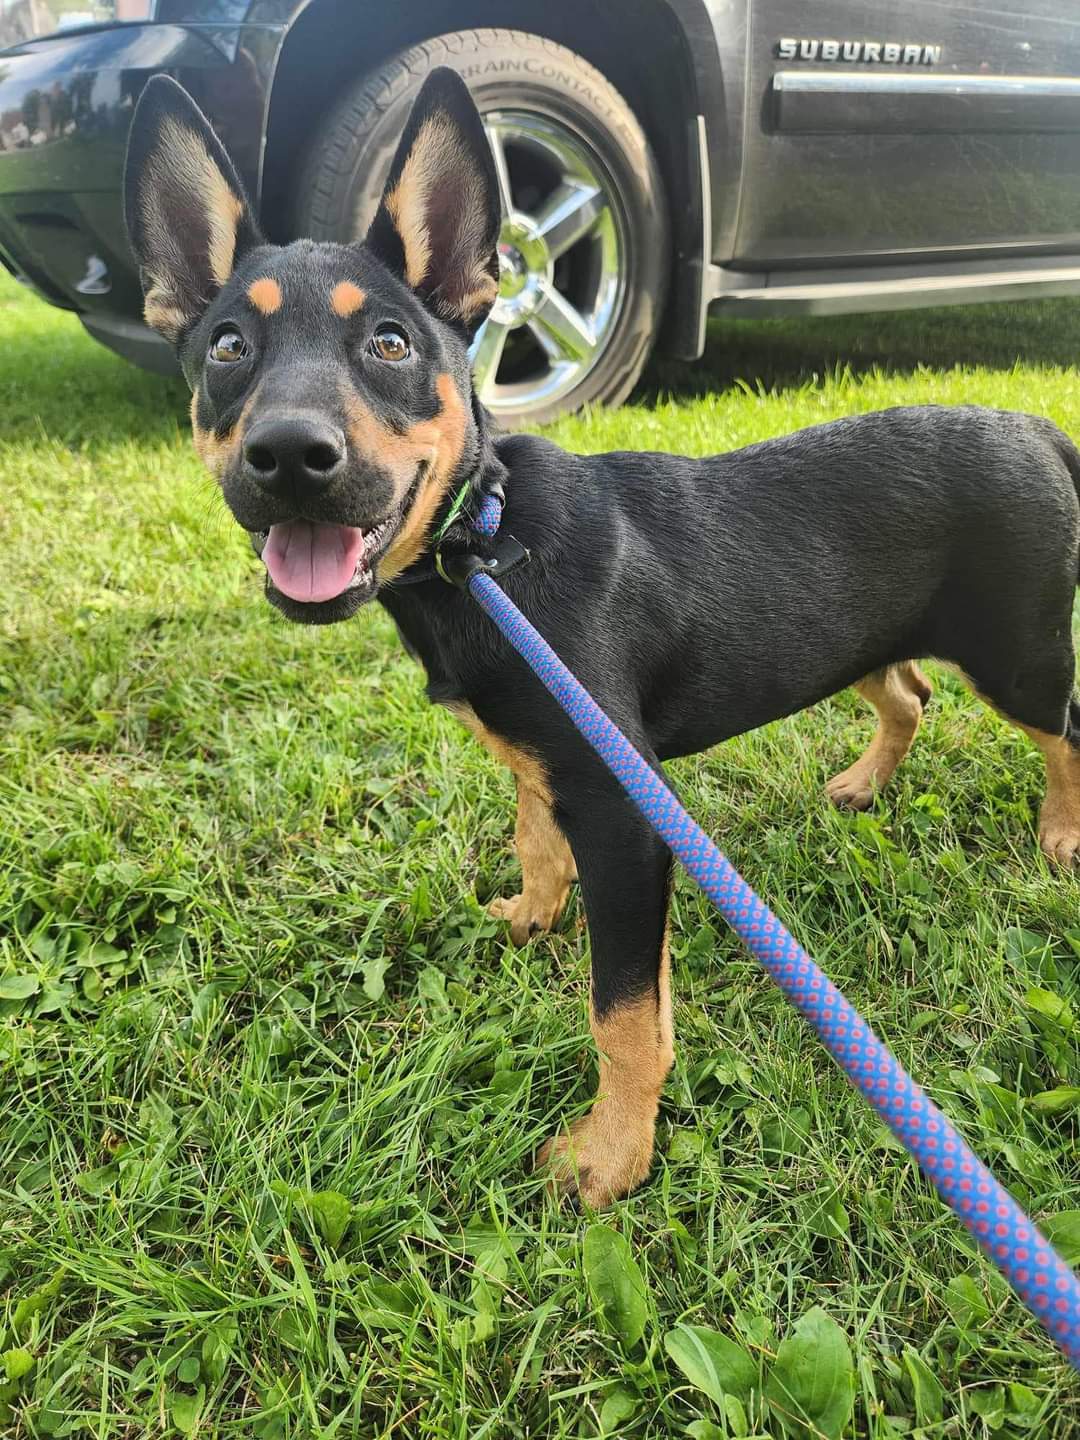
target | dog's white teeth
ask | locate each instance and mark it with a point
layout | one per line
(372, 538)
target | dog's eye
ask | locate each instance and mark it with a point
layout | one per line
(227, 346)
(390, 343)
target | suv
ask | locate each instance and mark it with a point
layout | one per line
(656, 158)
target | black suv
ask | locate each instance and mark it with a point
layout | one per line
(656, 157)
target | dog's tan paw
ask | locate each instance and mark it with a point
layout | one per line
(1060, 842)
(594, 1163)
(852, 789)
(526, 917)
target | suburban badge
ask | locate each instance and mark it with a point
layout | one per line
(855, 52)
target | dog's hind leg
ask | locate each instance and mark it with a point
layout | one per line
(898, 693)
(1033, 688)
(547, 868)
(1059, 819)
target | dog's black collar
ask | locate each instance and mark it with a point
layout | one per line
(493, 555)
(423, 569)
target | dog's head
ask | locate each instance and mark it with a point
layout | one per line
(332, 398)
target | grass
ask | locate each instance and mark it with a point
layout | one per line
(271, 1079)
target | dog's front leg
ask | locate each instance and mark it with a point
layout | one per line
(625, 877)
(547, 867)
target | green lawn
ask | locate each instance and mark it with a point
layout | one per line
(246, 963)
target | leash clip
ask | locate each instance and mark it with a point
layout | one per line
(504, 554)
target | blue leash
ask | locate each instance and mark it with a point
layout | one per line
(1036, 1272)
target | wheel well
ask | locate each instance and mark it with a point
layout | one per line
(329, 37)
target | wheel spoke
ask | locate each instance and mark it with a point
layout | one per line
(568, 215)
(561, 258)
(562, 331)
(502, 171)
(487, 351)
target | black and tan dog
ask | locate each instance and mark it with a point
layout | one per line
(695, 599)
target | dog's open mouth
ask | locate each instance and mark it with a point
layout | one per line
(313, 561)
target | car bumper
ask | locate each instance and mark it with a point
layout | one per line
(65, 108)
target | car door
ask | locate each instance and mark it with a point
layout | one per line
(930, 128)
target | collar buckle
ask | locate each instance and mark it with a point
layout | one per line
(503, 554)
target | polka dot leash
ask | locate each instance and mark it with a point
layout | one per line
(1039, 1276)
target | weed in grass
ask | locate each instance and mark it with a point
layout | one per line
(271, 1078)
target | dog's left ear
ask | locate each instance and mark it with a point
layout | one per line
(188, 219)
(438, 220)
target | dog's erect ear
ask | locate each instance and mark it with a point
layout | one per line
(188, 219)
(438, 220)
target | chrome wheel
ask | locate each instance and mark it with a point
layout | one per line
(560, 266)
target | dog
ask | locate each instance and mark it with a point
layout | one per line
(696, 599)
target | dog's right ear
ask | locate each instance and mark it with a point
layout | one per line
(187, 217)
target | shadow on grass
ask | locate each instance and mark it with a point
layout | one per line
(789, 352)
(58, 384)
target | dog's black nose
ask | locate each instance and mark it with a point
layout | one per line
(293, 453)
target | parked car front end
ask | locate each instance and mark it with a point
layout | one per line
(66, 99)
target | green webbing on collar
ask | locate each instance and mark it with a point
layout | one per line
(454, 511)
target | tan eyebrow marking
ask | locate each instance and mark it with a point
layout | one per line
(265, 295)
(346, 298)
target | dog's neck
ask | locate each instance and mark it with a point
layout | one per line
(431, 615)
(480, 473)
(487, 472)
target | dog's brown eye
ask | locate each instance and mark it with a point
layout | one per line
(390, 343)
(227, 347)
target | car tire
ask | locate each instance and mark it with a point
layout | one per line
(573, 325)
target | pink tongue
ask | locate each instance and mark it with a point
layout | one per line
(312, 562)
